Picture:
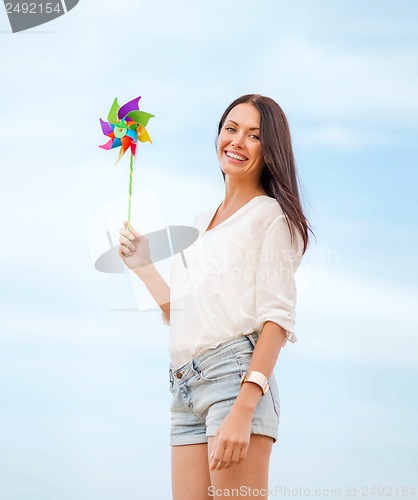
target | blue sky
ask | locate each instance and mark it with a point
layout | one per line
(84, 399)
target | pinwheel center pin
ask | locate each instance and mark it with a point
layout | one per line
(120, 130)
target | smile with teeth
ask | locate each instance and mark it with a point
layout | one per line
(235, 156)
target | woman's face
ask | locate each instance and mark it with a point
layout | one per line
(239, 147)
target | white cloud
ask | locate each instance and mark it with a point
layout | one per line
(318, 81)
(343, 137)
(349, 317)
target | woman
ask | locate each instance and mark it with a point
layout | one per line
(231, 308)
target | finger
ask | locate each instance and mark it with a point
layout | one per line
(135, 232)
(216, 464)
(127, 233)
(214, 445)
(221, 465)
(214, 456)
(123, 252)
(218, 460)
(232, 461)
(227, 455)
(127, 246)
(243, 454)
(127, 243)
(127, 225)
(130, 228)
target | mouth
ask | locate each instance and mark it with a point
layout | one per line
(235, 156)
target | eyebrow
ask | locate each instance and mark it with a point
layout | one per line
(252, 128)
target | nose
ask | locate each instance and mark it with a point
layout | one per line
(238, 141)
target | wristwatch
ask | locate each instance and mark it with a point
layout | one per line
(256, 377)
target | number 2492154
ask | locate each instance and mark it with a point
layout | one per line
(34, 8)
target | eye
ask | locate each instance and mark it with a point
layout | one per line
(255, 137)
(230, 129)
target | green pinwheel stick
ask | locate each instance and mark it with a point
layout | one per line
(126, 126)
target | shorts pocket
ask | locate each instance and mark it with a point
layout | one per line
(220, 368)
(244, 355)
(244, 361)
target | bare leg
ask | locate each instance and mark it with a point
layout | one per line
(190, 477)
(252, 472)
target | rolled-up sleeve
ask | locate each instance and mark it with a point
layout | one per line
(275, 290)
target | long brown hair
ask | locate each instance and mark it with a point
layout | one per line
(278, 176)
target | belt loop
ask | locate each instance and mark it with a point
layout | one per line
(253, 337)
(195, 368)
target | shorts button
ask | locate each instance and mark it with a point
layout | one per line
(179, 374)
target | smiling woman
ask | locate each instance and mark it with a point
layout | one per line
(231, 306)
(257, 124)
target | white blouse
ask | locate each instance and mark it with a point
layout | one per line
(233, 279)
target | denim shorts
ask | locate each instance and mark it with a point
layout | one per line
(204, 390)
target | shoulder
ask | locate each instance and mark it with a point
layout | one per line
(271, 208)
(277, 229)
(265, 214)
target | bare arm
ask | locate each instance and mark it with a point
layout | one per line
(234, 433)
(157, 287)
(264, 357)
(135, 253)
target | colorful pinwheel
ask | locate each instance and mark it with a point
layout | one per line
(126, 126)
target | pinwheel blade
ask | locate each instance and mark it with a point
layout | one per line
(121, 153)
(108, 145)
(126, 142)
(143, 135)
(106, 127)
(117, 143)
(129, 107)
(113, 113)
(134, 149)
(133, 134)
(141, 117)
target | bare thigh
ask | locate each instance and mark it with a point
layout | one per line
(190, 477)
(252, 472)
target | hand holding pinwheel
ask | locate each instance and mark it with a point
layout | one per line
(125, 128)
